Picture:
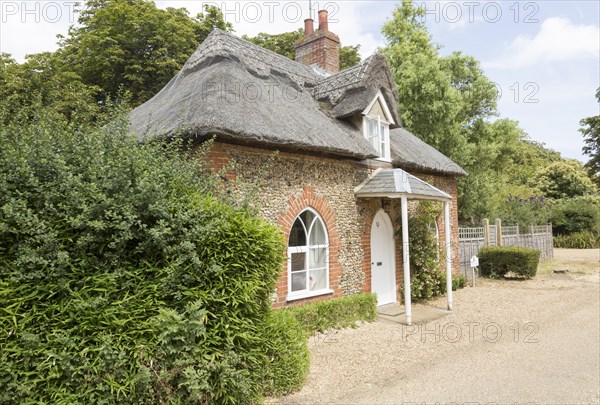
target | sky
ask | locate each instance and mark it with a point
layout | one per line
(544, 56)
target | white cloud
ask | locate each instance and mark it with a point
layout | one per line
(558, 40)
(27, 30)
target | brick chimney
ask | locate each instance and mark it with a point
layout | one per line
(321, 47)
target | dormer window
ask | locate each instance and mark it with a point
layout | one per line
(378, 135)
(376, 126)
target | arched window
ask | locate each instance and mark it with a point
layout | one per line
(308, 256)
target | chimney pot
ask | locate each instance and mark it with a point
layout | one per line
(323, 21)
(322, 49)
(309, 27)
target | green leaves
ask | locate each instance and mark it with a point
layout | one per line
(283, 44)
(503, 261)
(124, 278)
(564, 179)
(427, 277)
(590, 129)
(450, 104)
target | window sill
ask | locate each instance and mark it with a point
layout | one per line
(381, 159)
(311, 294)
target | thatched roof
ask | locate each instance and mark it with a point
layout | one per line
(246, 94)
(351, 90)
(411, 153)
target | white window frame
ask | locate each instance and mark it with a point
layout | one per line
(383, 139)
(307, 293)
(386, 121)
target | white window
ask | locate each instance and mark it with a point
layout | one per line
(376, 125)
(308, 257)
(377, 132)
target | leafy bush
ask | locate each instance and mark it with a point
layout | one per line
(497, 262)
(428, 278)
(285, 344)
(122, 278)
(575, 215)
(577, 240)
(525, 211)
(337, 313)
(458, 282)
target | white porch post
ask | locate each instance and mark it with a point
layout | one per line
(406, 260)
(448, 253)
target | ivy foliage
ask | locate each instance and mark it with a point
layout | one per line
(124, 277)
(428, 278)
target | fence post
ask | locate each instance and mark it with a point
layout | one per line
(498, 232)
(551, 235)
(486, 232)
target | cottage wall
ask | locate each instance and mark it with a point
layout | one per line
(284, 184)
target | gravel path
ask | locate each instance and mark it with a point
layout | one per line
(534, 341)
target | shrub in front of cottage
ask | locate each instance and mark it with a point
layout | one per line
(125, 278)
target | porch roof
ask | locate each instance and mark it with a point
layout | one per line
(396, 183)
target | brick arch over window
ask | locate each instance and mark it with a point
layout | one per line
(296, 205)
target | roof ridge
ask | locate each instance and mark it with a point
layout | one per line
(223, 40)
(344, 78)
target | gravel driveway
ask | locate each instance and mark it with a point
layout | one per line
(506, 342)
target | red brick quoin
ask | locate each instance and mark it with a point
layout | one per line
(297, 204)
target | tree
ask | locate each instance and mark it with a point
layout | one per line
(564, 179)
(283, 44)
(591, 137)
(133, 46)
(349, 56)
(477, 93)
(41, 83)
(449, 103)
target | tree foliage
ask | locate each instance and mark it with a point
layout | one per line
(283, 44)
(41, 83)
(450, 104)
(564, 179)
(133, 46)
(591, 136)
(349, 56)
(447, 102)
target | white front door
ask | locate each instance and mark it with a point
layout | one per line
(383, 259)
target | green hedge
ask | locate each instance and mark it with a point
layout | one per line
(336, 313)
(285, 345)
(497, 262)
(124, 279)
(578, 240)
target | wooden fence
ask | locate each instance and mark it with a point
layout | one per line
(470, 240)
